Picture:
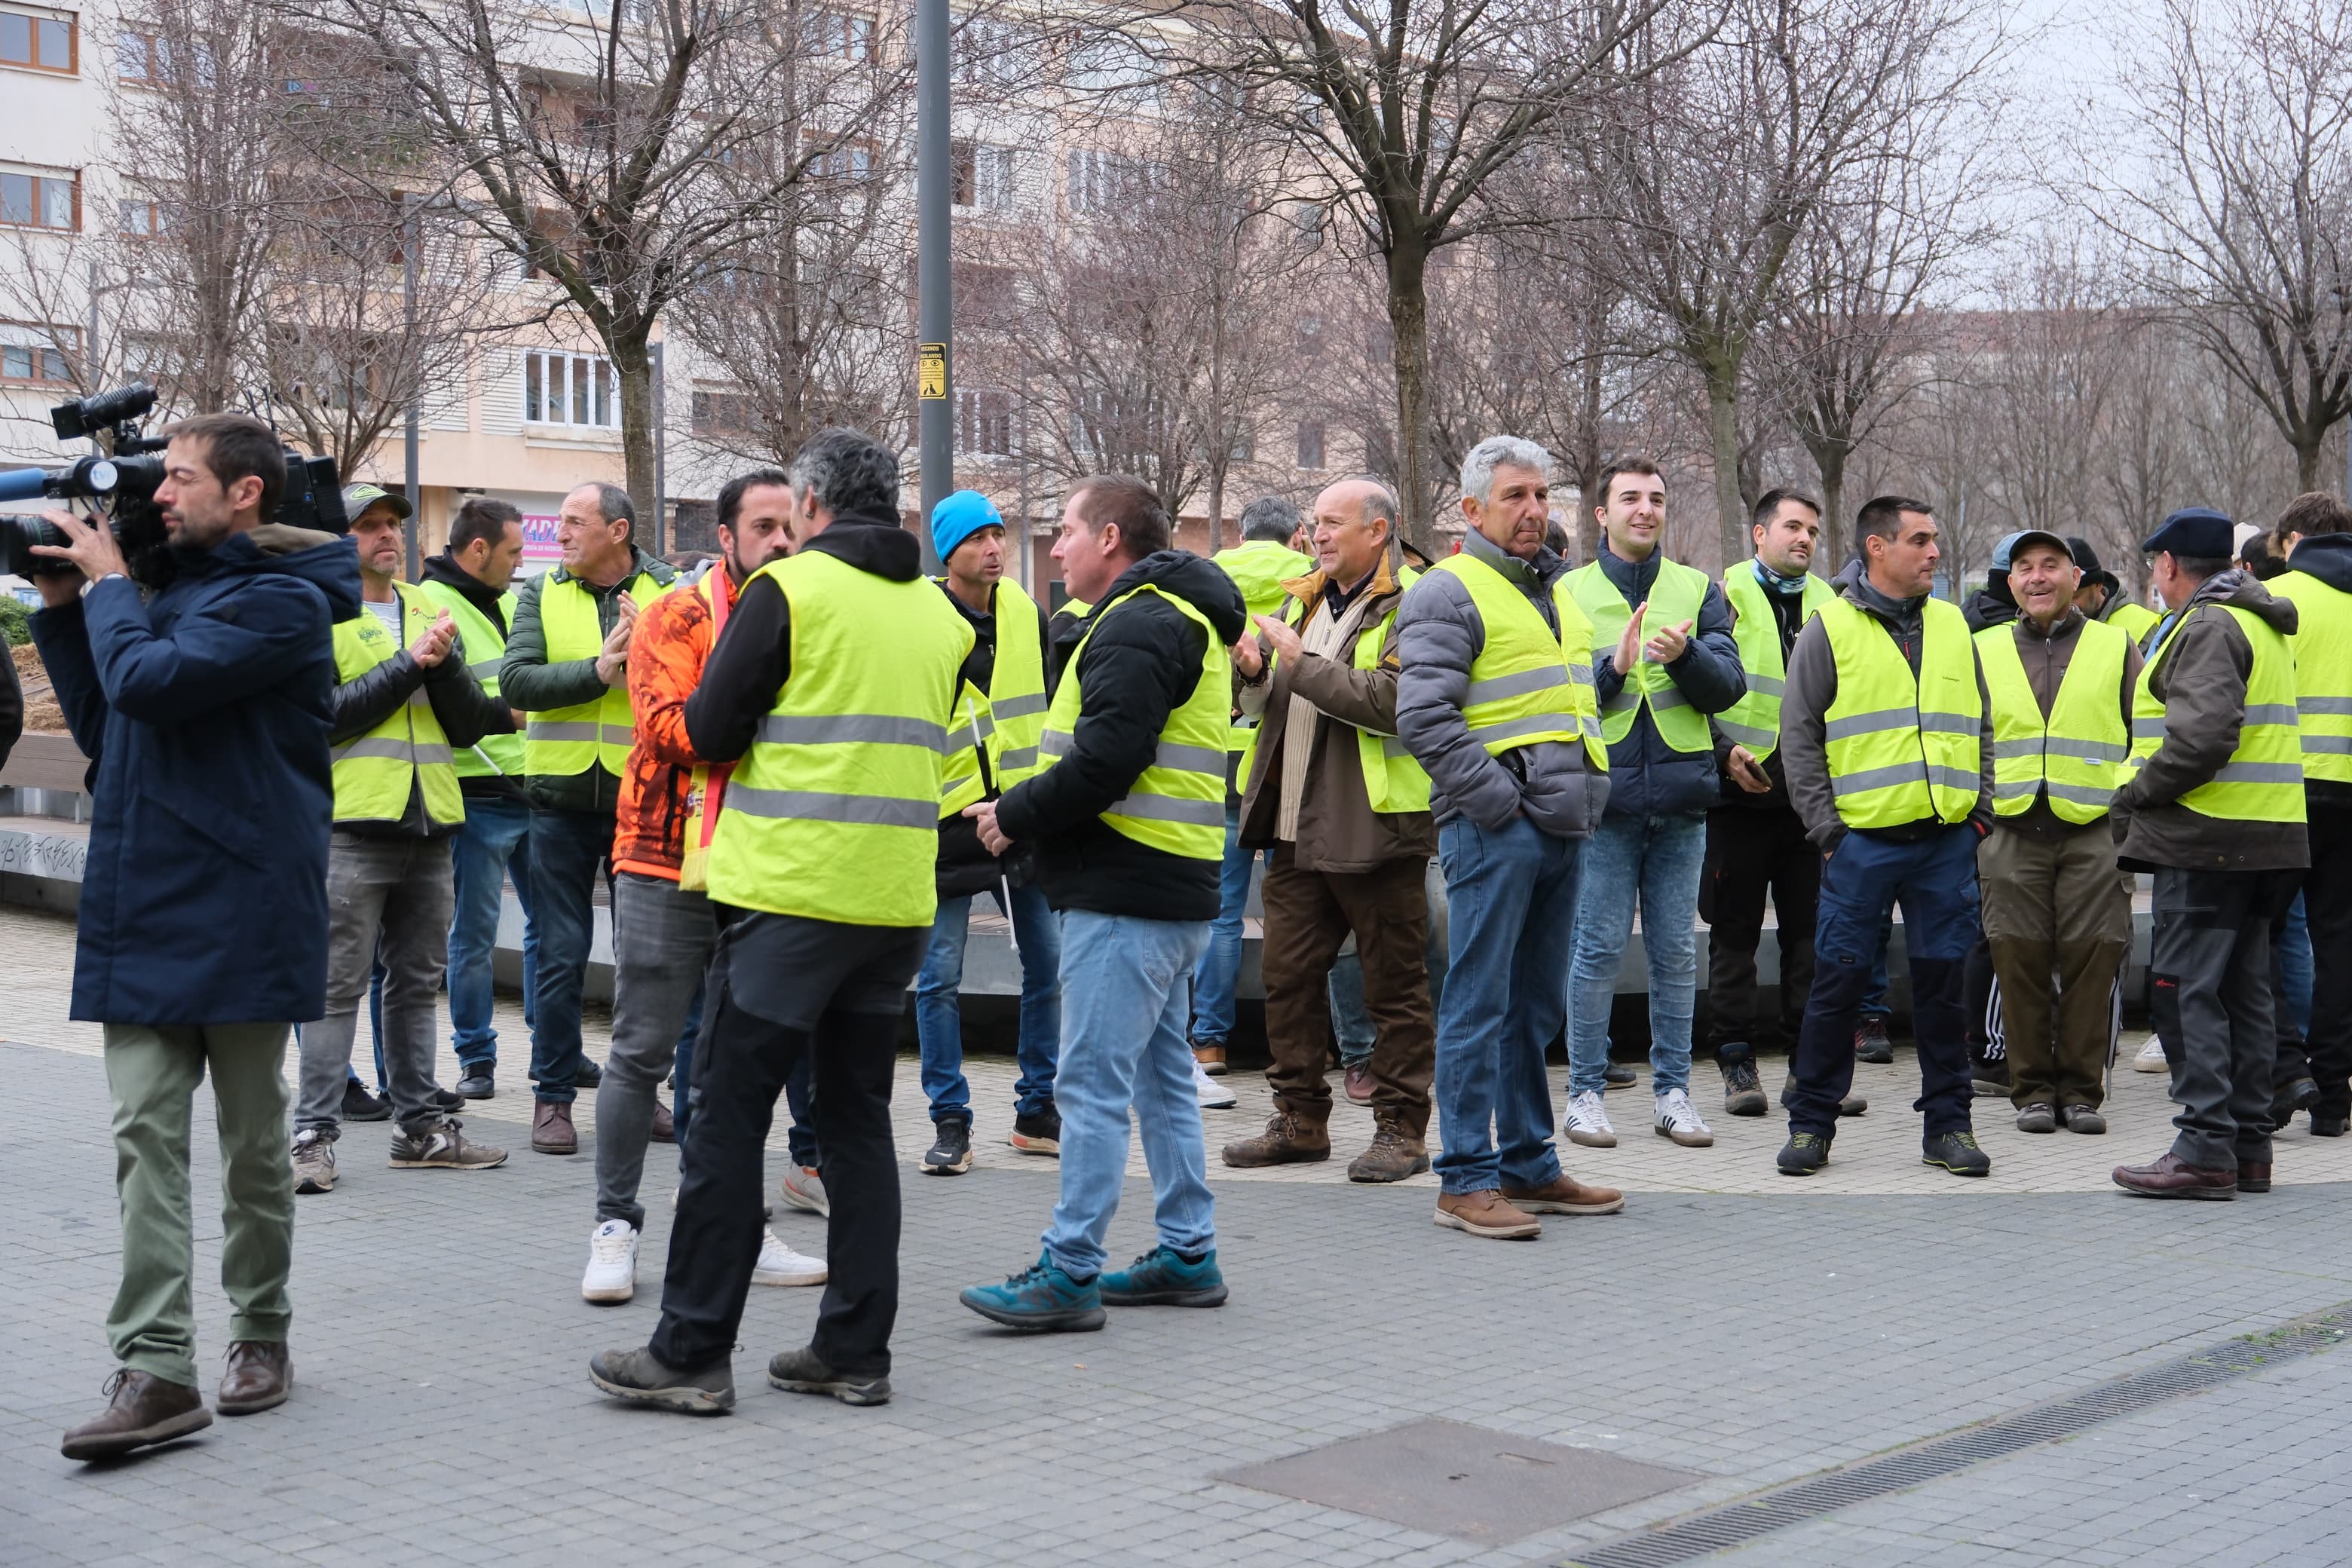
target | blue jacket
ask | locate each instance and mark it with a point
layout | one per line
(204, 712)
(1646, 776)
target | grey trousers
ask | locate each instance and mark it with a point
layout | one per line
(391, 897)
(662, 939)
(2210, 960)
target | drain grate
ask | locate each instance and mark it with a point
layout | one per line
(1732, 1524)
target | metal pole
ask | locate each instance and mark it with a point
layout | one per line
(415, 240)
(934, 277)
(661, 456)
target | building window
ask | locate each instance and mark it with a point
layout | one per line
(721, 413)
(984, 423)
(39, 43)
(569, 389)
(845, 33)
(843, 161)
(37, 356)
(983, 174)
(1310, 445)
(1098, 181)
(152, 58)
(146, 219)
(41, 201)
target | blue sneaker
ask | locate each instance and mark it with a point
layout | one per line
(1162, 1278)
(1041, 1298)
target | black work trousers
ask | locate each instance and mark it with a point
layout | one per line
(2211, 976)
(2328, 910)
(1750, 854)
(827, 979)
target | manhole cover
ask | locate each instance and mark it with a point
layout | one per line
(1464, 1481)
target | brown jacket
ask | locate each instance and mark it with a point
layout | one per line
(2046, 660)
(2200, 678)
(1338, 828)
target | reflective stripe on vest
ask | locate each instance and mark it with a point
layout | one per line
(486, 650)
(1675, 596)
(2323, 673)
(1527, 685)
(374, 772)
(1010, 716)
(1902, 748)
(562, 741)
(1176, 804)
(833, 814)
(2078, 754)
(2263, 779)
(1753, 721)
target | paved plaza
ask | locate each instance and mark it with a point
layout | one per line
(1730, 1333)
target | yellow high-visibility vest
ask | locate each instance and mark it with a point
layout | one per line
(1527, 685)
(1903, 747)
(1675, 596)
(374, 772)
(2323, 673)
(2078, 754)
(561, 742)
(1009, 716)
(2134, 619)
(1753, 721)
(486, 650)
(2263, 779)
(1393, 781)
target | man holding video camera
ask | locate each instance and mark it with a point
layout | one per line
(206, 710)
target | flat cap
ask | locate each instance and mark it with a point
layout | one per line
(2196, 532)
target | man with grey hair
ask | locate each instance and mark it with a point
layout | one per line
(1495, 701)
(567, 667)
(1259, 565)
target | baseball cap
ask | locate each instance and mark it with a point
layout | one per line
(357, 499)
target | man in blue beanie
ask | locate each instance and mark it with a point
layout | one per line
(1000, 715)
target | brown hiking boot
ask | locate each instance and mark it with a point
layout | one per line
(551, 1129)
(1485, 1214)
(260, 1375)
(1566, 1195)
(1393, 1155)
(1289, 1139)
(144, 1410)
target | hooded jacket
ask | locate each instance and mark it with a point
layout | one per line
(205, 712)
(2328, 557)
(1440, 635)
(1814, 686)
(444, 569)
(1140, 665)
(1646, 776)
(2200, 678)
(1992, 605)
(528, 683)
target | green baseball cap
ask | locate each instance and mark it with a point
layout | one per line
(357, 499)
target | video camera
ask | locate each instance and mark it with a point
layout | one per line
(122, 476)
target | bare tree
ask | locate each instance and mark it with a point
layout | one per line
(2243, 224)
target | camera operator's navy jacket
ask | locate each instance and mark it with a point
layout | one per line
(204, 712)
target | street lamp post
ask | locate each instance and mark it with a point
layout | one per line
(934, 277)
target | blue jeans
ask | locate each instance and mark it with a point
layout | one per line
(1219, 968)
(1656, 860)
(1124, 999)
(1350, 1020)
(494, 843)
(1934, 880)
(1511, 894)
(566, 848)
(938, 1024)
(2296, 965)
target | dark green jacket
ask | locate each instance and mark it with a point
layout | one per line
(531, 685)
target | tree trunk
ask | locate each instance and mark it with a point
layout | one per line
(1723, 429)
(633, 363)
(2306, 457)
(1216, 506)
(1409, 351)
(1829, 556)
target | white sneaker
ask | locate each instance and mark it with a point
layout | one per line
(2151, 1058)
(780, 1265)
(611, 1263)
(1588, 1124)
(1213, 1095)
(1678, 1119)
(801, 1188)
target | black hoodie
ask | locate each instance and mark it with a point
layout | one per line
(1137, 667)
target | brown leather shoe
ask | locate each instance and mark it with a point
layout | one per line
(1289, 1139)
(1485, 1214)
(2254, 1177)
(1211, 1056)
(2172, 1177)
(144, 1410)
(1566, 1195)
(260, 1375)
(1357, 1078)
(1393, 1154)
(665, 1124)
(552, 1131)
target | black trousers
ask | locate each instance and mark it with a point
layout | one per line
(2328, 910)
(1750, 854)
(2212, 979)
(827, 979)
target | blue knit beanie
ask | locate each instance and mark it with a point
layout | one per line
(958, 518)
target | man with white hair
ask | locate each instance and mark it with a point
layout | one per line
(1494, 702)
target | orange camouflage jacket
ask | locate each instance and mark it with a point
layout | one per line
(667, 653)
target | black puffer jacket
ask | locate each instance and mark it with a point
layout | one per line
(465, 713)
(1138, 665)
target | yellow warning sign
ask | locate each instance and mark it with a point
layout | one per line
(932, 371)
